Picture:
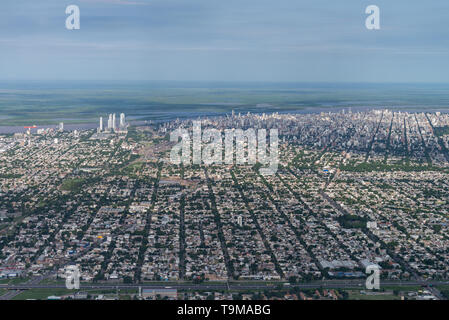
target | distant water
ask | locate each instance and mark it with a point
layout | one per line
(169, 116)
(67, 127)
(73, 101)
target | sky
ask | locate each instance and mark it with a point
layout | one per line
(229, 40)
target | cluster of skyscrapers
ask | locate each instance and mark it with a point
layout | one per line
(112, 124)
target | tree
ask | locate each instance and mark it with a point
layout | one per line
(292, 279)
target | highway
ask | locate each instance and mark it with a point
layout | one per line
(331, 284)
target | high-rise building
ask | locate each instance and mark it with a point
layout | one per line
(114, 124)
(122, 120)
(110, 121)
(101, 124)
(61, 126)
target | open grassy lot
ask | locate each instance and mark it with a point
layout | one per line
(42, 294)
(357, 295)
(13, 280)
(72, 185)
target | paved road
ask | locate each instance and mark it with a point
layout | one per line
(223, 286)
(16, 291)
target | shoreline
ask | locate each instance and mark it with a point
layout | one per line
(11, 129)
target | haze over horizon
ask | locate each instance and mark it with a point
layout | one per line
(199, 40)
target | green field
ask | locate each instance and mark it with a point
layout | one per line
(40, 294)
(43, 294)
(356, 295)
(73, 185)
(14, 280)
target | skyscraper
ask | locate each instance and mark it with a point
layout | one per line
(110, 121)
(101, 124)
(122, 120)
(114, 124)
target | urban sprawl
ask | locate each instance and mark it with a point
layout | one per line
(352, 189)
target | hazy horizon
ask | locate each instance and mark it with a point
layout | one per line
(210, 40)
